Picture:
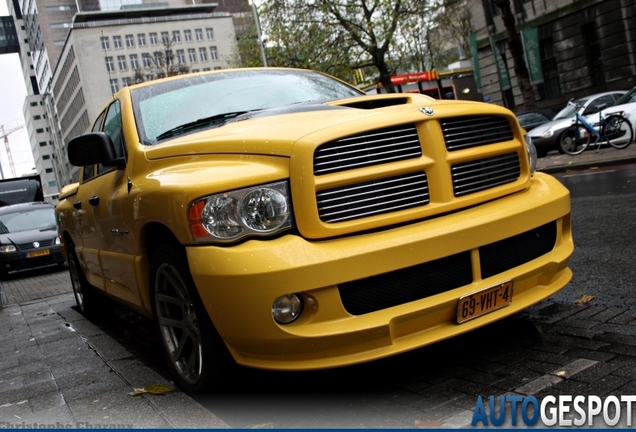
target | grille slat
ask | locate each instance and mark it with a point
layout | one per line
(374, 197)
(27, 246)
(473, 131)
(424, 280)
(474, 176)
(368, 149)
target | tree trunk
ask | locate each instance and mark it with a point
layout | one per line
(516, 50)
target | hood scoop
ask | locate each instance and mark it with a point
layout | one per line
(377, 103)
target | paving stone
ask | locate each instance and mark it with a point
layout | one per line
(596, 372)
(626, 317)
(591, 354)
(571, 369)
(537, 385)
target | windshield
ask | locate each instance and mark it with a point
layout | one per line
(570, 109)
(167, 105)
(628, 97)
(41, 218)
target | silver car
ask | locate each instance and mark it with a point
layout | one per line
(546, 137)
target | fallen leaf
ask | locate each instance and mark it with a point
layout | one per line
(153, 389)
(561, 373)
(584, 300)
(428, 424)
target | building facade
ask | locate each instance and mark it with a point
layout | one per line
(106, 51)
(43, 29)
(574, 48)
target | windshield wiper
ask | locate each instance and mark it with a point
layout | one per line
(221, 118)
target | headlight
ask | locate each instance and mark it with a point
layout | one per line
(260, 210)
(7, 248)
(57, 241)
(532, 154)
(547, 134)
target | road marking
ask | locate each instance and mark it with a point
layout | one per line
(588, 173)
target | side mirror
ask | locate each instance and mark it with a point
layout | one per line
(93, 148)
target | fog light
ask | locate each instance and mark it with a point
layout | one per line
(287, 308)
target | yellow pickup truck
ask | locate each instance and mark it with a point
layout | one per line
(282, 219)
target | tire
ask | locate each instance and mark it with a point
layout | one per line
(194, 351)
(89, 302)
(618, 131)
(574, 140)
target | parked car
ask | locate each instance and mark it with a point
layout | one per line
(28, 237)
(625, 105)
(283, 219)
(531, 119)
(546, 137)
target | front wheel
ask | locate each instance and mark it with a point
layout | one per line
(574, 140)
(89, 302)
(618, 131)
(195, 353)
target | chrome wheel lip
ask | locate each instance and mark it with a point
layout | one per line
(178, 324)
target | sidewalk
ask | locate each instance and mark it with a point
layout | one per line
(57, 368)
(555, 162)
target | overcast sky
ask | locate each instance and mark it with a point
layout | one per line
(13, 92)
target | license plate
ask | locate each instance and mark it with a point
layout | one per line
(484, 301)
(38, 253)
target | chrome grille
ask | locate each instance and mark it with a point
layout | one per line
(370, 148)
(372, 198)
(477, 175)
(473, 131)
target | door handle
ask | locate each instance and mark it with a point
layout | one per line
(94, 200)
(77, 204)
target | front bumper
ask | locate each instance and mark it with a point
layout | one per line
(20, 261)
(239, 284)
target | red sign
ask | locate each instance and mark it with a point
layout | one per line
(414, 77)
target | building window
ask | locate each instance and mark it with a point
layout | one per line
(165, 37)
(121, 62)
(210, 33)
(195, 70)
(203, 54)
(134, 62)
(141, 39)
(130, 41)
(198, 33)
(114, 85)
(60, 26)
(176, 36)
(117, 42)
(153, 38)
(110, 66)
(125, 82)
(158, 57)
(551, 86)
(180, 56)
(105, 42)
(43, 144)
(52, 183)
(48, 170)
(36, 117)
(46, 157)
(187, 35)
(33, 103)
(593, 53)
(192, 55)
(146, 60)
(39, 130)
(214, 53)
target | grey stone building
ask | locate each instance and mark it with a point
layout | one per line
(104, 51)
(574, 48)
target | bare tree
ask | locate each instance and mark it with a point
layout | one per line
(163, 65)
(516, 50)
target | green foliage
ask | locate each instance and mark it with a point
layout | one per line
(354, 38)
